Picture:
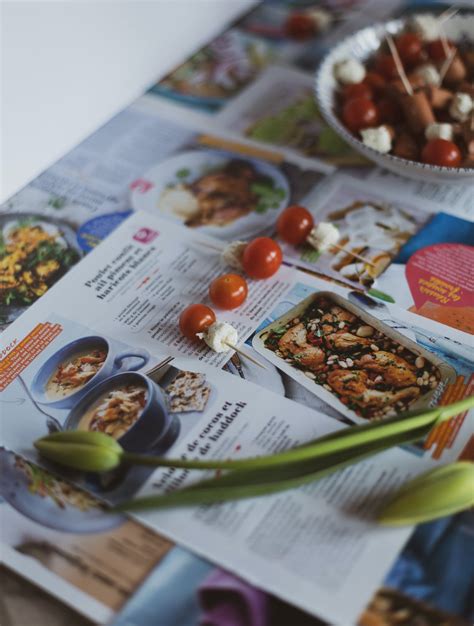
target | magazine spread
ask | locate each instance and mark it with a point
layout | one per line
(98, 257)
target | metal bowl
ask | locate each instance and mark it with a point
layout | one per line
(361, 46)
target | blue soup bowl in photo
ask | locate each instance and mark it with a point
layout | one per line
(153, 422)
(114, 362)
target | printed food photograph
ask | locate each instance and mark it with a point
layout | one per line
(351, 359)
(215, 191)
(216, 73)
(35, 252)
(370, 230)
(51, 501)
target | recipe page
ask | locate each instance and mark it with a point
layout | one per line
(133, 289)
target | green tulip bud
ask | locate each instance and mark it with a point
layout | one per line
(81, 450)
(440, 492)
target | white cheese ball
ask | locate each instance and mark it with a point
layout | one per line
(377, 138)
(429, 74)
(321, 18)
(426, 26)
(232, 254)
(349, 71)
(439, 131)
(219, 335)
(323, 236)
(461, 106)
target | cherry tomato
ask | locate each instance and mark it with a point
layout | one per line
(294, 224)
(262, 258)
(436, 49)
(409, 48)
(357, 90)
(228, 291)
(300, 26)
(388, 111)
(385, 65)
(375, 81)
(441, 152)
(194, 319)
(360, 113)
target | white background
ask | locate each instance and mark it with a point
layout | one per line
(68, 66)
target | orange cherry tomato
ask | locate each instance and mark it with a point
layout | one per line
(294, 224)
(228, 291)
(385, 65)
(357, 90)
(360, 113)
(262, 258)
(441, 152)
(194, 319)
(375, 81)
(409, 48)
(436, 49)
(300, 26)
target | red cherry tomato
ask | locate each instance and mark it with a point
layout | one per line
(294, 224)
(409, 48)
(262, 258)
(300, 26)
(360, 113)
(194, 319)
(385, 65)
(441, 152)
(436, 49)
(357, 90)
(228, 291)
(375, 81)
(389, 111)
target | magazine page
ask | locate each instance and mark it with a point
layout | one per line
(62, 538)
(206, 414)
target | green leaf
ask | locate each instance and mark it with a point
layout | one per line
(443, 491)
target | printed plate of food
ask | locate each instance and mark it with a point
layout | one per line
(35, 252)
(215, 191)
(352, 360)
(51, 501)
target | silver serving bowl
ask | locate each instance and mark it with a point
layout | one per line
(361, 46)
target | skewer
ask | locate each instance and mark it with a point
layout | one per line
(446, 65)
(399, 65)
(245, 355)
(447, 15)
(354, 254)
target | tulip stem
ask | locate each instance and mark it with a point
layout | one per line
(340, 441)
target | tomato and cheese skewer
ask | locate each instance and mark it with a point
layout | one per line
(296, 226)
(199, 322)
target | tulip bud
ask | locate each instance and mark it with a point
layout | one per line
(81, 450)
(438, 493)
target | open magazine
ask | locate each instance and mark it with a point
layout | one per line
(142, 175)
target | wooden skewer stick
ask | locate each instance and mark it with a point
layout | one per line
(245, 355)
(447, 15)
(399, 65)
(446, 65)
(354, 254)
